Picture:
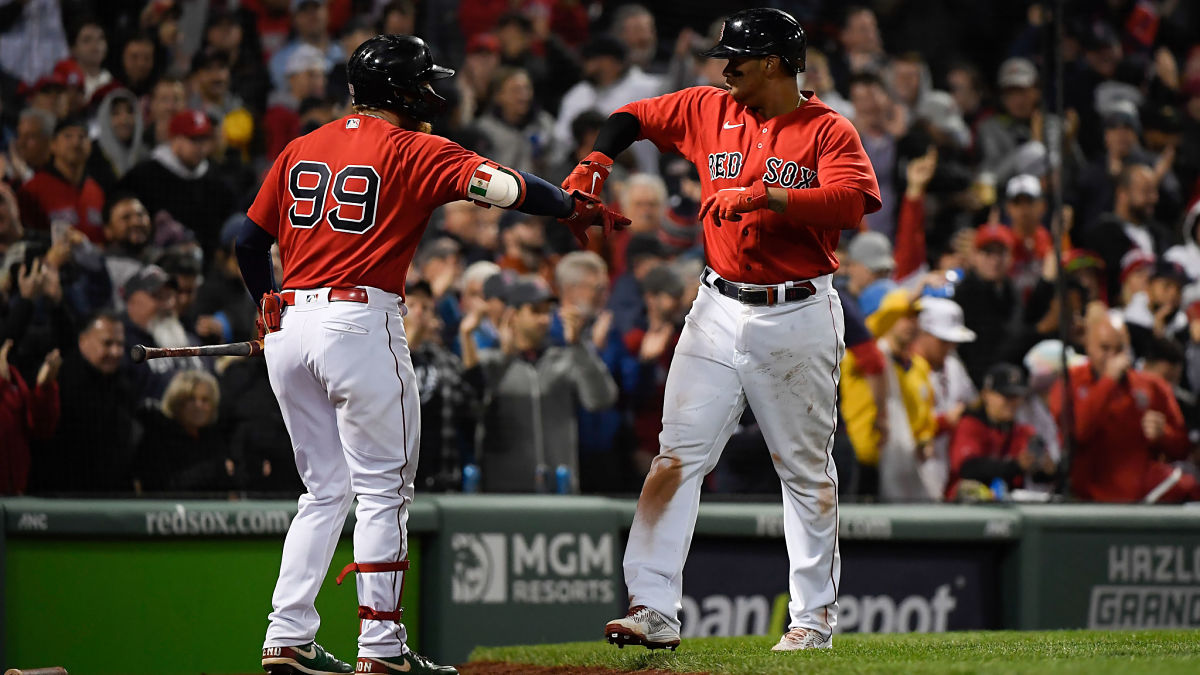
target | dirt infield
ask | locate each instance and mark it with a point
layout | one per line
(495, 668)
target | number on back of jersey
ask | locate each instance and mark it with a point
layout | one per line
(355, 196)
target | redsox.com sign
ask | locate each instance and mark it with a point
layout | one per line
(562, 568)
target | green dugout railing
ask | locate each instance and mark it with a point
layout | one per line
(184, 586)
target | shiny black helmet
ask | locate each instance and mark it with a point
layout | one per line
(762, 32)
(393, 72)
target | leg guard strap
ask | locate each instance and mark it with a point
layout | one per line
(399, 566)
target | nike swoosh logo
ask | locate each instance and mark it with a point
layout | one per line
(733, 126)
(595, 176)
(310, 654)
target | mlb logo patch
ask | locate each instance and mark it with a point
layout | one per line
(352, 123)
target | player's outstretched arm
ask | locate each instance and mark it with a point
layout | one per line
(494, 185)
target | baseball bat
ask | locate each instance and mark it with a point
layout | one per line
(37, 671)
(140, 353)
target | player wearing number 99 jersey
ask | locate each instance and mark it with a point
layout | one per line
(348, 204)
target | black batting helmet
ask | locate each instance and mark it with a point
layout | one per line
(762, 32)
(392, 72)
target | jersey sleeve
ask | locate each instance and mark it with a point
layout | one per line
(841, 160)
(443, 168)
(268, 207)
(664, 119)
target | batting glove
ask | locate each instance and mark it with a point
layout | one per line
(270, 312)
(726, 204)
(588, 211)
(589, 175)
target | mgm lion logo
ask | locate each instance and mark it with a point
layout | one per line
(480, 569)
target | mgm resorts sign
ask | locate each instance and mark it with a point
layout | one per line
(529, 568)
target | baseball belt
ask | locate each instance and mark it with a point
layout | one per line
(758, 295)
(351, 294)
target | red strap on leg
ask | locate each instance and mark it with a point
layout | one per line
(398, 566)
(370, 613)
(376, 615)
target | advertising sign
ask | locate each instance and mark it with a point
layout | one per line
(739, 587)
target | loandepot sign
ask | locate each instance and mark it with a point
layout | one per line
(1148, 587)
(563, 568)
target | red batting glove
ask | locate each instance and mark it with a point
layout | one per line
(270, 310)
(589, 175)
(726, 204)
(589, 211)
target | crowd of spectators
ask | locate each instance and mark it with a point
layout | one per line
(135, 133)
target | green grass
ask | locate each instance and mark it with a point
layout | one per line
(1053, 652)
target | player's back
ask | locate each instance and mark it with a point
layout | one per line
(352, 199)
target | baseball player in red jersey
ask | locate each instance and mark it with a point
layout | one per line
(782, 174)
(348, 204)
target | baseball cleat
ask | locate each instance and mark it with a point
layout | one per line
(410, 662)
(642, 626)
(308, 659)
(803, 638)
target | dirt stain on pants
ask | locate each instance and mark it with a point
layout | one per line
(666, 472)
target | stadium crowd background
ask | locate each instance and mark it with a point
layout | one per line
(134, 135)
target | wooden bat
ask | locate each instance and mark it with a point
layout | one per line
(140, 353)
(37, 671)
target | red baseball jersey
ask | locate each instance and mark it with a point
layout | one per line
(49, 196)
(732, 146)
(350, 201)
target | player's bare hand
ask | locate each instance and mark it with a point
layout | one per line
(600, 328)
(883, 428)
(655, 341)
(49, 370)
(955, 413)
(683, 43)
(470, 322)
(572, 323)
(919, 172)
(1166, 68)
(507, 334)
(729, 203)
(925, 451)
(51, 284)
(266, 468)
(1117, 365)
(4, 349)
(589, 175)
(1154, 425)
(29, 280)
(209, 326)
(229, 467)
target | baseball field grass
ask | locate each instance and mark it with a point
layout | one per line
(1045, 653)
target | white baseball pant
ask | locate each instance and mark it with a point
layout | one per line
(345, 383)
(784, 361)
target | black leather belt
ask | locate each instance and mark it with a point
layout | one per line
(758, 295)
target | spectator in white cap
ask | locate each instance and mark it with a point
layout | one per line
(306, 79)
(940, 330)
(310, 26)
(1025, 207)
(869, 265)
(1012, 127)
(945, 120)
